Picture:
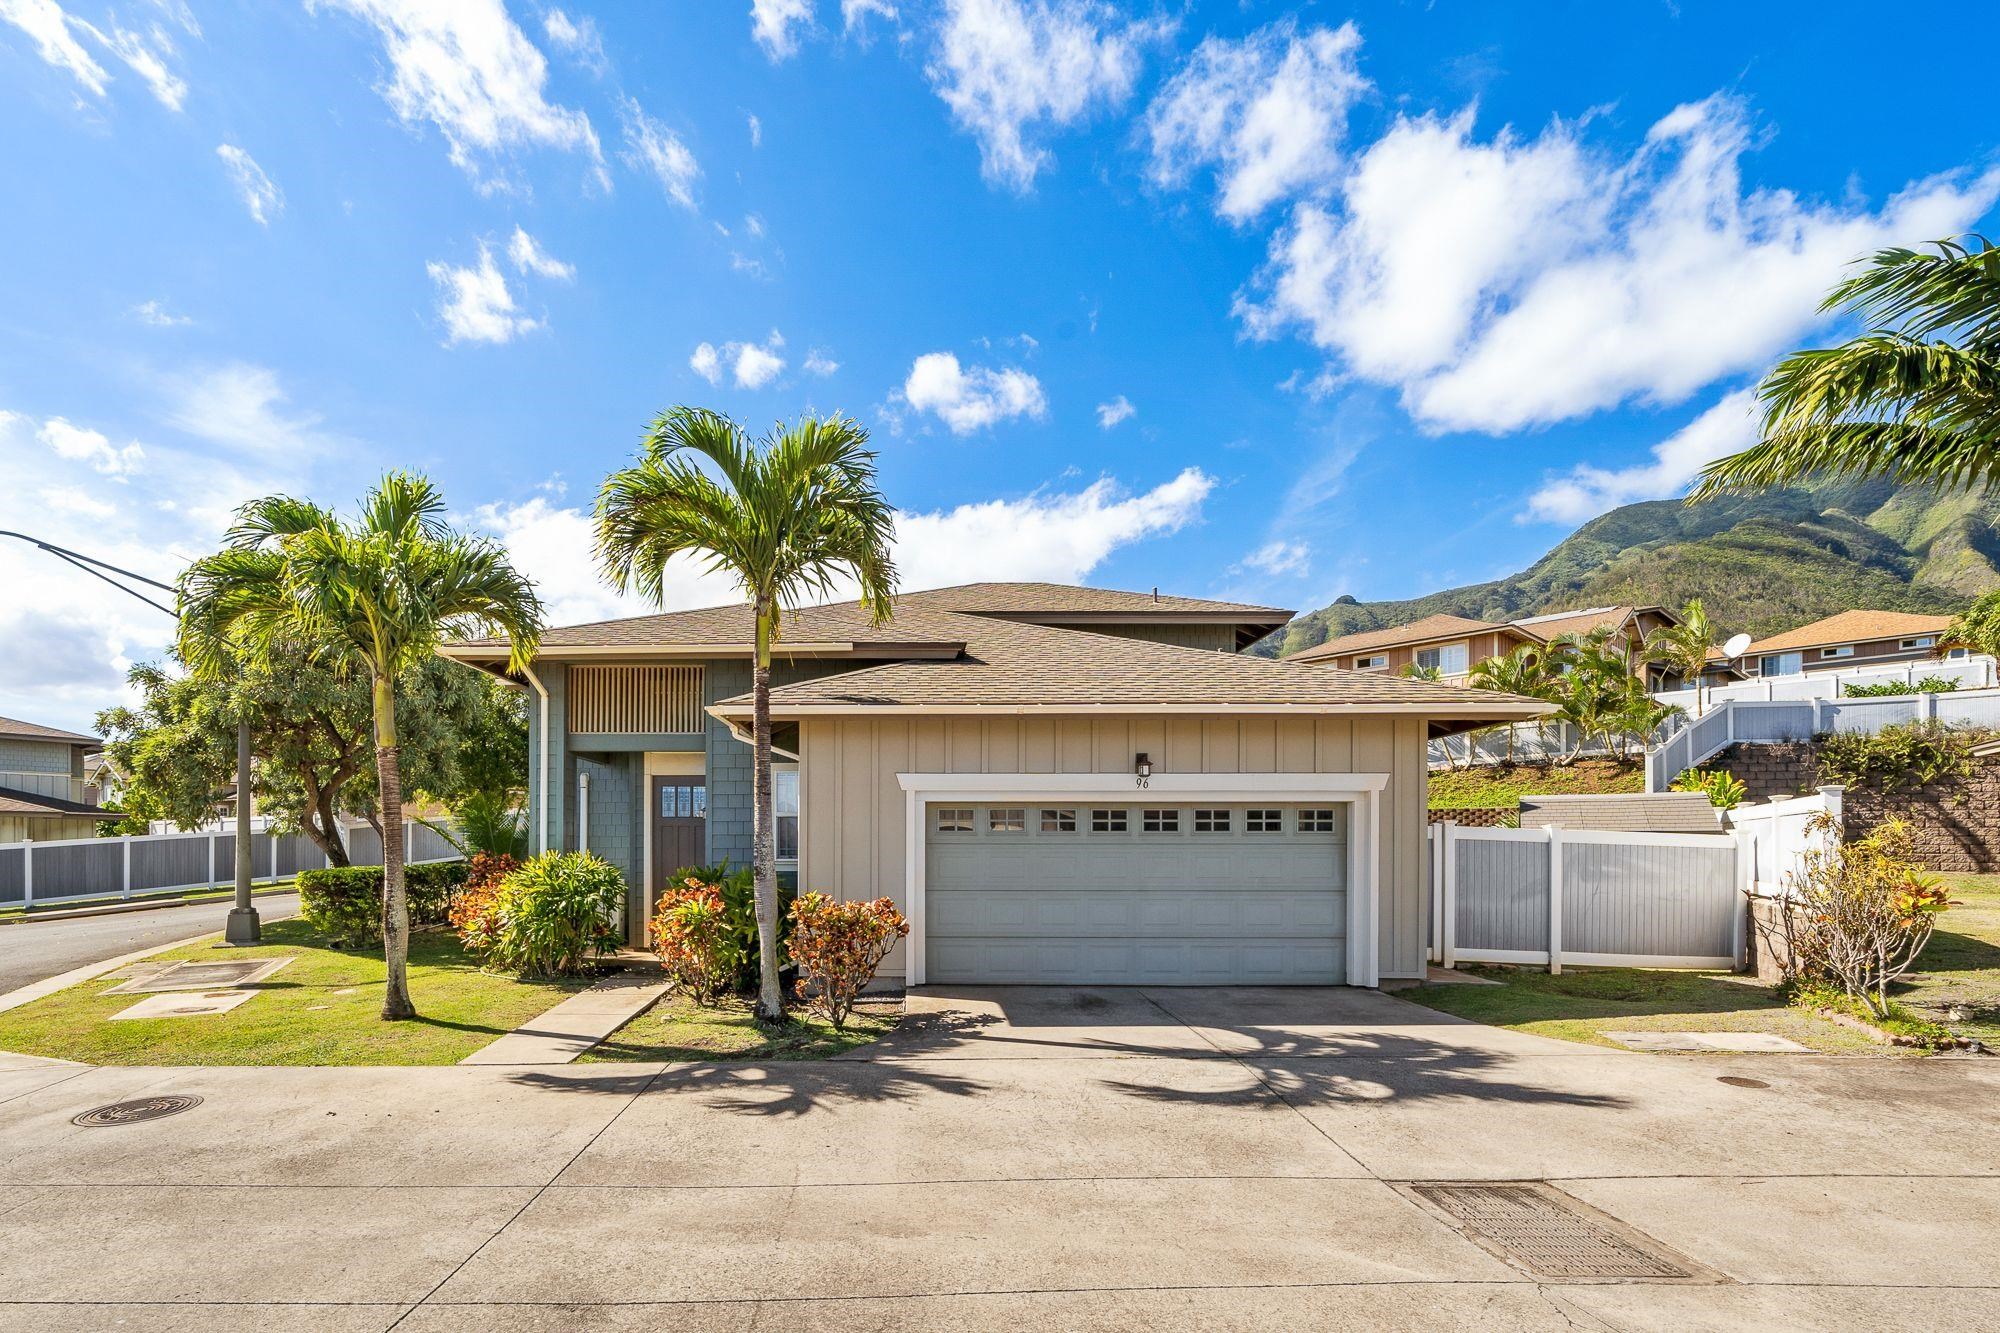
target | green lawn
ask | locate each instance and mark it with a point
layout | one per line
(679, 1029)
(1502, 786)
(321, 1009)
(1961, 969)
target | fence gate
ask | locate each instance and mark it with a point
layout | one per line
(1586, 896)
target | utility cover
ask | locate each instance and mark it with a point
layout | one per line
(201, 976)
(1551, 1235)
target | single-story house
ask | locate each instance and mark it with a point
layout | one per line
(43, 792)
(1057, 785)
(1456, 644)
(1849, 640)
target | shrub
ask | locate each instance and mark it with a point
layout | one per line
(1888, 688)
(837, 946)
(344, 903)
(1914, 754)
(1897, 1020)
(553, 915)
(1723, 789)
(475, 908)
(1855, 915)
(739, 903)
(692, 934)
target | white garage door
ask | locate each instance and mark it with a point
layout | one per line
(1136, 895)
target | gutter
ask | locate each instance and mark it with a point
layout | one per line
(732, 714)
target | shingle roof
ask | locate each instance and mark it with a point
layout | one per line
(1069, 600)
(843, 623)
(1852, 627)
(33, 805)
(1012, 665)
(1417, 631)
(1558, 623)
(14, 729)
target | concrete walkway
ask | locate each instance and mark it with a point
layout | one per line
(578, 1023)
(1029, 1159)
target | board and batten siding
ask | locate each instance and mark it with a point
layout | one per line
(852, 837)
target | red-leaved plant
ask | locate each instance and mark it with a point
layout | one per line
(691, 933)
(472, 908)
(836, 946)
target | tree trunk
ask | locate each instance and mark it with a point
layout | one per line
(763, 839)
(395, 902)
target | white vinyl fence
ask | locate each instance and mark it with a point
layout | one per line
(1755, 721)
(1774, 835)
(1521, 742)
(1970, 673)
(1585, 896)
(81, 870)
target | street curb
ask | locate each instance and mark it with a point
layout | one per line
(151, 905)
(35, 990)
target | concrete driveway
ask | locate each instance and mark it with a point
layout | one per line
(1035, 1158)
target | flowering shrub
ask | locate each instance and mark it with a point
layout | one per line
(739, 905)
(837, 946)
(551, 915)
(475, 909)
(695, 939)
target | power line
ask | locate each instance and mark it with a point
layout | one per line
(86, 563)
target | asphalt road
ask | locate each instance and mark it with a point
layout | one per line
(32, 950)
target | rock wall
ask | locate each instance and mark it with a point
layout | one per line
(1955, 824)
(1479, 817)
(1772, 772)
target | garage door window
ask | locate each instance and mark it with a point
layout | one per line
(1006, 820)
(1263, 821)
(1108, 821)
(1162, 821)
(1058, 821)
(1211, 821)
(1316, 821)
(954, 821)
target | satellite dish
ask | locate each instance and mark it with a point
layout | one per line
(1736, 645)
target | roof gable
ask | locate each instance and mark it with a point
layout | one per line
(1397, 636)
(1852, 627)
(14, 729)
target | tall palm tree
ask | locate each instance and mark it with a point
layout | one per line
(1683, 648)
(788, 517)
(1524, 671)
(380, 592)
(1916, 397)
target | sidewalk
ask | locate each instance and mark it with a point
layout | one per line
(580, 1022)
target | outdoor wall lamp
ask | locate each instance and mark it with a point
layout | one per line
(1142, 768)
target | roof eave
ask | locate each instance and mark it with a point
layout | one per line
(1479, 714)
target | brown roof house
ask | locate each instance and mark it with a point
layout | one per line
(43, 794)
(1455, 644)
(1056, 784)
(1848, 640)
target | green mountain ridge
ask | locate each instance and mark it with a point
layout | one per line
(1760, 563)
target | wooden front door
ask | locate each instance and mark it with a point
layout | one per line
(680, 828)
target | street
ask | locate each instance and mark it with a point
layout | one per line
(33, 950)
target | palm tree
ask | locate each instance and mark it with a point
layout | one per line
(1977, 628)
(786, 516)
(1524, 671)
(1916, 397)
(379, 592)
(1683, 649)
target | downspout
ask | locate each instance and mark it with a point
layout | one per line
(583, 812)
(542, 823)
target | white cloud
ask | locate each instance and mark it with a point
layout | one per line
(1117, 410)
(243, 407)
(970, 399)
(156, 314)
(75, 500)
(260, 195)
(1279, 559)
(772, 23)
(706, 362)
(1057, 538)
(554, 545)
(465, 67)
(78, 444)
(529, 257)
(1586, 491)
(577, 37)
(49, 27)
(1268, 112)
(474, 303)
(855, 13)
(147, 55)
(819, 361)
(1509, 283)
(652, 147)
(1009, 68)
(753, 224)
(756, 131)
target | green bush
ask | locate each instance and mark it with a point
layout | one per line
(344, 903)
(555, 915)
(739, 903)
(1722, 788)
(1915, 754)
(1889, 688)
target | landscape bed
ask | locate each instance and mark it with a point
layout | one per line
(679, 1029)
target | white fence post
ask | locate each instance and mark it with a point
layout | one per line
(126, 841)
(211, 859)
(1555, 898)
(1450, 934)
(27, 873)
(1746, 885)
(273, 834)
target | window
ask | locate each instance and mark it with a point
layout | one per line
(1316, 821)
(1955, 655)
(1010, 820)
(1211, 821)
(1161, 821)
(1058, 821)
(785, 806)
(1844, 650)
(1781, 664)
(1921, 641)
(1371, 663)
(681, 800)
(1264, 821)
(1107, 821)
(1449, 658)
(954, 821)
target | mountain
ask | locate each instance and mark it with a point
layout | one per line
(1760, 563)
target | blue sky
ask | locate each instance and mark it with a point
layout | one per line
(1275, 301)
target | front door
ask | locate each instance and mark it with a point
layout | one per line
(680, 828)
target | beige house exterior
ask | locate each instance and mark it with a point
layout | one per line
(1849, 640)
(1454, 645)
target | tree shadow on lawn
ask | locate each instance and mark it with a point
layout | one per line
(1595, 993)
(1955, 951)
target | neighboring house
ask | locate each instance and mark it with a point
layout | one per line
(43, 794)
(1848, 640)
(1056, 784)
(1455, 644)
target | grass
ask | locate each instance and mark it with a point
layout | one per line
(1501, 786)
(679, 1029)
(321, 1009)
(1959, 972)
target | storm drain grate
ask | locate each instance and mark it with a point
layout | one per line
(1549, 1234)
(128, 1113)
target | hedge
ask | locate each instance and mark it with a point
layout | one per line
(345, 903)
